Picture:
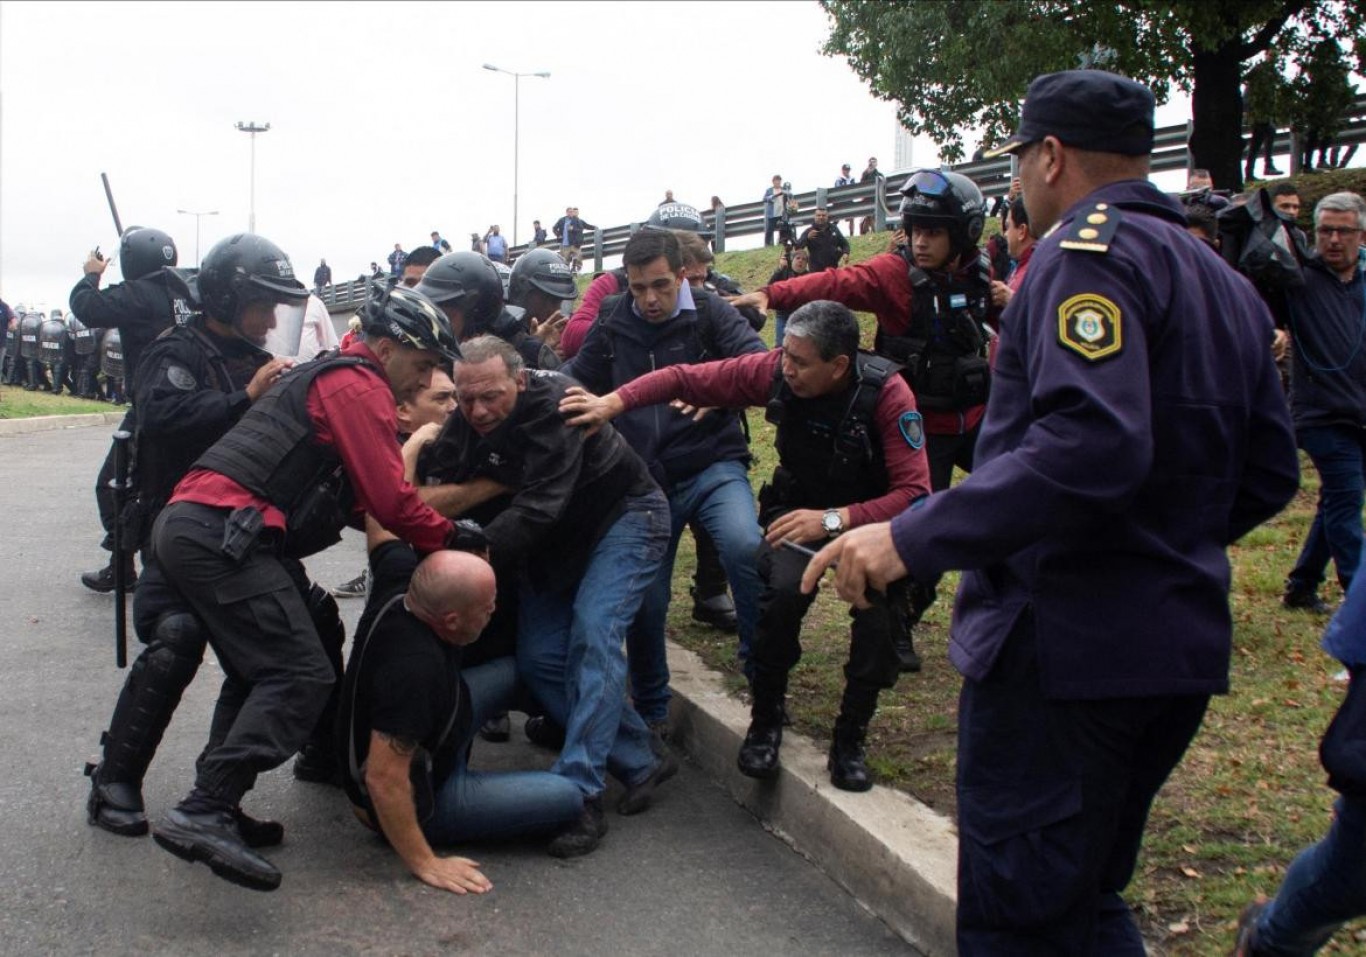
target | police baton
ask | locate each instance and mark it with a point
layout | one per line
(119, 484)
(109, 195)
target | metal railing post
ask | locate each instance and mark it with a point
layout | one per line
(718, 243)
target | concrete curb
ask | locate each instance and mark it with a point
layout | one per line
(46, 423)
(896, 856)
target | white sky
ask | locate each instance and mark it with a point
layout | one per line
(384, 126)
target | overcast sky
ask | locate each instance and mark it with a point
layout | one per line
(384, 126)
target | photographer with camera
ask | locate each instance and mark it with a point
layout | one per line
(824, 241)
(775, 210)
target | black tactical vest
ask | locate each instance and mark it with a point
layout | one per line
(273, 453)
(944, 349)
(829, 447)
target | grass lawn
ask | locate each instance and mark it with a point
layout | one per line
(15, 403)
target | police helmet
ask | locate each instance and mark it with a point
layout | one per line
(467, 281)
(143, 251)
(409, 318)
(543, 270)
(242, 269)
(678, 216)
(943, 199)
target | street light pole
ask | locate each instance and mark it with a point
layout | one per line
(251, 127)
(516, 131)
(197, 215)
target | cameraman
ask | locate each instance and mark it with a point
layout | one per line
(775, 208)
(794, 263)
(824, 241)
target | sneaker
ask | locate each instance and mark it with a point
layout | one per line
(1302, 599)
(583, 836)
(541, 731)
(357, 587)
(639, 796)
(496, 729)
(213, 837)
(1245, 945)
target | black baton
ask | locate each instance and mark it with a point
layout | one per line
(120, 486)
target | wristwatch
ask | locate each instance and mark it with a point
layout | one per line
(831, 523)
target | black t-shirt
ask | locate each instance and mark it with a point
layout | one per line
(402, 680)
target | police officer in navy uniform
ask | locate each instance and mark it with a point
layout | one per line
(141, 308)
(850, 449)
(196, 382)
(1136, 429)
(312, 453)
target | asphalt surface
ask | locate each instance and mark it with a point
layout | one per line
(697, 874)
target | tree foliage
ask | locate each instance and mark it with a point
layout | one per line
(957, 66)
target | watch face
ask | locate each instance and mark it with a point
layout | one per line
(830, 521)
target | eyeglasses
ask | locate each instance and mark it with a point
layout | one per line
(1328, 232)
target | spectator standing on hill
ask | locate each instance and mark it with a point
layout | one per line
(1136, 430)
(537, 234)
(496, 245)
(1328, 394)
(322, 276)
(1264, 105)
(396, 260)
(795, 263)
(439, 244)
(775, 201)
(569, 230)
(824, 241)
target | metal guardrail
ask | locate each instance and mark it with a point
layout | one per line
(870, 199)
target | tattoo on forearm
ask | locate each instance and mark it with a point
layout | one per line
(400, 746)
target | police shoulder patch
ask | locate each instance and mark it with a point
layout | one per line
(912, 429)
(1091, 326)
(181, 378)
(1093, 229)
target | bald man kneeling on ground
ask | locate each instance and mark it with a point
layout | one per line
(409, 714)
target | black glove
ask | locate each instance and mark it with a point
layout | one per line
(467, 536)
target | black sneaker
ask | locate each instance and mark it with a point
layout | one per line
(357, 587)
(1303, 599)
(1245, 945)
(213, 837)
(639, 797)
(541, 731)
(583, 836)
(496, 729)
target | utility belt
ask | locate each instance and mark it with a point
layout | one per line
(940, 380)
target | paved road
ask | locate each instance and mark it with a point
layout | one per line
(695, 875)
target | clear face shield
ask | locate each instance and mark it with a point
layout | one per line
(277, 327)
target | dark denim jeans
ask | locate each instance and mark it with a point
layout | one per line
(1338, 453)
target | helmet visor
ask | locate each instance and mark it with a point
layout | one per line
(930, 182)
(286, 326)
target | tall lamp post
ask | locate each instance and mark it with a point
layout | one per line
(197, 216)
(516, 122)
(251, 127)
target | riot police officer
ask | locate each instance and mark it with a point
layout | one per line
(932, 300)
(198, 380)
(140, 308)
(469, 290)
(849, 444)
(54, 351)
(112, 368)
(84, 342)
(30, 355)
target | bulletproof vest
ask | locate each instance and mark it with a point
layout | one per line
(944, 350)
(828, 447)
(30, 328)
(273, 453)
(111, 354)
(83, 340)
(52, 342)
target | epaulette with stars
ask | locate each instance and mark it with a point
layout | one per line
(1092, 231)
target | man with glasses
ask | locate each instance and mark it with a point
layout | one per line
(1136, 430)
(1328, 394)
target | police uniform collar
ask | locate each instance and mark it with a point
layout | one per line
(1135, 195)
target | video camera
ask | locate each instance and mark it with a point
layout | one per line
(785, 233)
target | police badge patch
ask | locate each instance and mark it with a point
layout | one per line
(1089, 325)
(912, 429)
(181, 378)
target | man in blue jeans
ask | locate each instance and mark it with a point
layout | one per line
(700, 461)
(1325, 886)
(409, 714)
(1328, 394)
(584, 529)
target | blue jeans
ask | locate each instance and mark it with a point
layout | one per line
(1324, 887)
(1339, 456)
(497, 805)
(720, 497)
(570, 649)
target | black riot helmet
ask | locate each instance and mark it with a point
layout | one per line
(941, 199)
(678, 216)
(246, 268)
(542, 270)
(143, 251)
(466, 281)
(409, 318)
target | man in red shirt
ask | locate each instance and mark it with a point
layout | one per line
(276, 488)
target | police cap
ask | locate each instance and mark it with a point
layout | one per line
(1087, 110)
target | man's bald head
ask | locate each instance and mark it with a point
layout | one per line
(453, 593)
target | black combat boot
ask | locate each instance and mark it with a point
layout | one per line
(848, 763)
(103, 580)
(758, 757)
(711, 604)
